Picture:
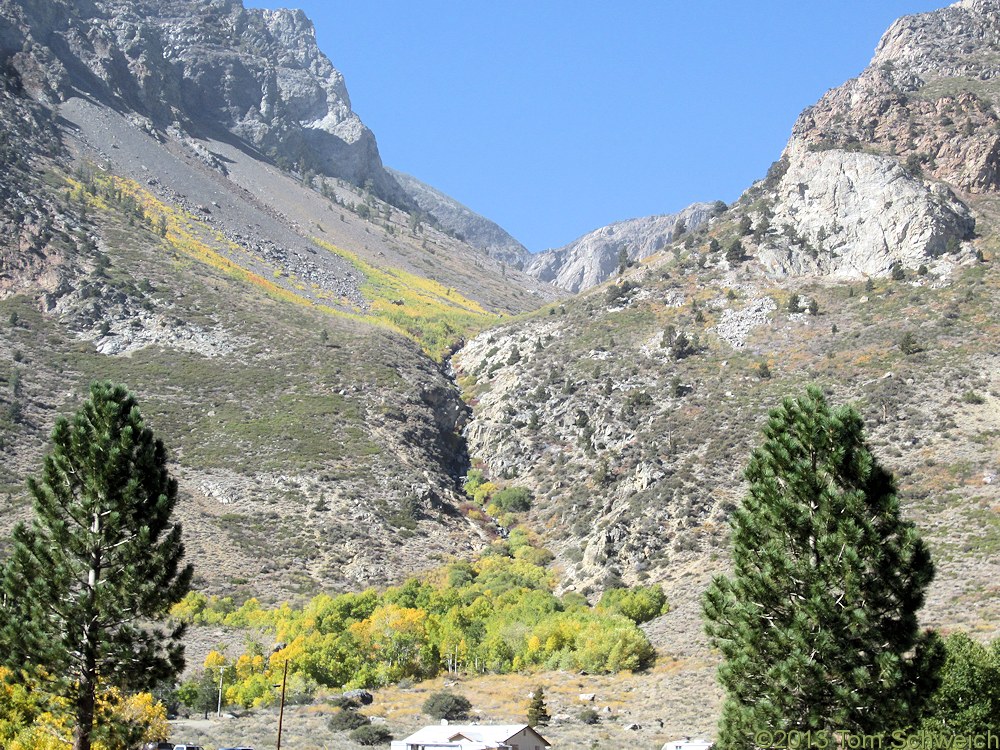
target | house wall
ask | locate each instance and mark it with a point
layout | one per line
(526, 739)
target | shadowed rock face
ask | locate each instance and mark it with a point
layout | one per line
(258, 74)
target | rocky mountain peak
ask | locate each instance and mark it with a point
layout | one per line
(258, 74)
(878, 172)
(928, 98)
(954, 42)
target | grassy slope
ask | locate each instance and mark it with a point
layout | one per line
(308, 439)
(663, 695)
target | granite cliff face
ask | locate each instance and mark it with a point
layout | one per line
(855, 215)
(257, 74)
(595, 257)
(879, 172)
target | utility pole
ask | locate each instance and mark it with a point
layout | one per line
(281, 711)
(218, 711)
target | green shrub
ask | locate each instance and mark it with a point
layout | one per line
(640, 604)
(512, 499)
(371, 734)
(473, 480)
(638, 400)
(617, 294)
(908, 344)
(346, 720)
(445, 705)
(735, 253)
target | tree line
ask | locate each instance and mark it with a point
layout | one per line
(497, 614)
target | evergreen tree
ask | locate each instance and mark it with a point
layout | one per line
(735, 253)
(447, 705)
(538, 715)
(623, 260)
(100, 562)
(817, 625)
(201, 693)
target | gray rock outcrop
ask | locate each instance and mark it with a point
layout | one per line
(856, 215)
(462, 221)
(594, 257)
(258, 74)
(876, 173)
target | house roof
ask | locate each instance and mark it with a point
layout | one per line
(469, 736)
(688, 744)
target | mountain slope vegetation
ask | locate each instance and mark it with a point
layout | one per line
(327, 364)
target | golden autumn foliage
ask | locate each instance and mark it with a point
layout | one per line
(32, 720)
(435, 316)
(497, 614)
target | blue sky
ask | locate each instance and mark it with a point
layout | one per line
(553, 118)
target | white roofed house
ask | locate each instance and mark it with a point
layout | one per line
(473, 737)
(688, 744)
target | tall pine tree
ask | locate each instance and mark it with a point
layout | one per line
(538, 714)
(817, 625)
(99, 564)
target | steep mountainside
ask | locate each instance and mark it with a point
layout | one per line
(452, 216)
(257, 74)
(596, 256)
(190, 207)
(928, 98)
(880, 172)
(283, 330)
(630, 410)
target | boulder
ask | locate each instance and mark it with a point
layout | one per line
(359, 697)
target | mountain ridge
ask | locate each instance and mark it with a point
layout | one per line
(325, 367)
(595, 256)
(258, 73)
(477, 230)
(630, 405)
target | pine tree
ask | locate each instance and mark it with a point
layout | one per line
(734, 254)
(623, 260)
(817, 625)
(100, 562)
(538, 715)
